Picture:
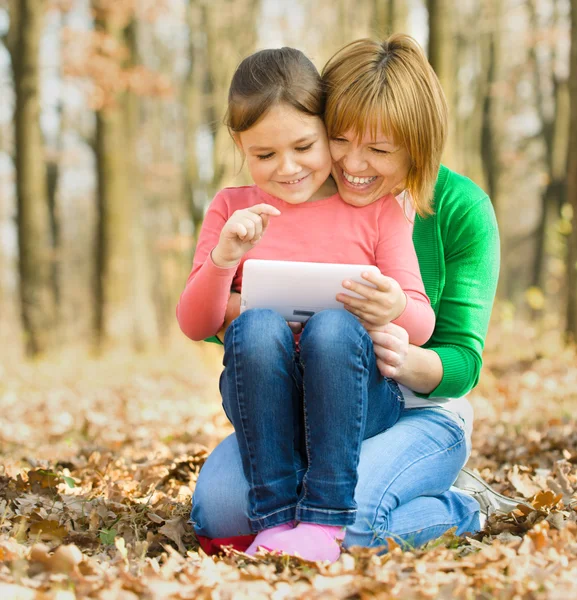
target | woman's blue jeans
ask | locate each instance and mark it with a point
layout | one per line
(307, 408)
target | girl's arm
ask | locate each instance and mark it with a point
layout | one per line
(451, 364)
(202, 305)
(400, 295)
(226, 236)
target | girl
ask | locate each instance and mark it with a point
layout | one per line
(293, 212)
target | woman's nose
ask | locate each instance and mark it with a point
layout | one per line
(354, 162)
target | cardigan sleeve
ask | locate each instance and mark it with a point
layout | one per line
(472, 260)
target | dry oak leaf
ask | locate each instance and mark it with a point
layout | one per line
(174, 529)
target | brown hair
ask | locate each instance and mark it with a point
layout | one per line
(270, 77)
(391, 85)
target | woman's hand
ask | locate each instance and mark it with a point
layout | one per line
(241, 232)
(377, 307)
(391, 346)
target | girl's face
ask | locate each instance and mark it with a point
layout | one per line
(369, 168)
(287, 154)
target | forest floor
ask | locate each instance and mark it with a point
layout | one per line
(99, 458)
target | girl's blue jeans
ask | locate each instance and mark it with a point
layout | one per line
(405, 468)
(307, 408)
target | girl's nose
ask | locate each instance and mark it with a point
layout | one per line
(288, 166)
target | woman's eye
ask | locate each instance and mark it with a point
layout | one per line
(377, 151)
(304, 148)
(265, 156)
(338, 140)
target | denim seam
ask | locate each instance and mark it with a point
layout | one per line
(328, 511)
(242, 416)
(363, 348)
(274, 512)
(469, 514)
(421, 458)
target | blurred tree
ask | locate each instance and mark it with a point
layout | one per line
(476, 125)
(230, 36)
(195, 107)
(571, 312)
(38, 303)
(144, 322)
(389, 16)
(553, 112)
(441, 51)
(114, 268)
(490, 53)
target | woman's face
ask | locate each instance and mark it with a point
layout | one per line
(369, 168)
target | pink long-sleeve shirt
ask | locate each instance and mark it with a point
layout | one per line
(327, 230)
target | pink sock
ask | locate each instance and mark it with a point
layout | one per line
(266, 536)
(311, 541)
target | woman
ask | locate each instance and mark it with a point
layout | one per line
(386, 117)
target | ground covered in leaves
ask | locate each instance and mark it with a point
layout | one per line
(99, 459)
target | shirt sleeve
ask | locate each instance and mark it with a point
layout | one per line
(396, 258)
(472, 261)
(202, 306)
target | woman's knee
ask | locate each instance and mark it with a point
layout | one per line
(219, 502)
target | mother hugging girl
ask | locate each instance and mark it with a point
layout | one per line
(356, 427)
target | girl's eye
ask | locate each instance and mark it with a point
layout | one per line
(304, 148)
(338, 140)
(265, 156)
(377, 151)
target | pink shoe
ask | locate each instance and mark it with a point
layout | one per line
(310, 541)
(266, 537)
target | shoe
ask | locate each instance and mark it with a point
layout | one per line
(489, 500)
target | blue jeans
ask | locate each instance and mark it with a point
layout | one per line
(403, 489)
(310, 406)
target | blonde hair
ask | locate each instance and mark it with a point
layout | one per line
(390, 85)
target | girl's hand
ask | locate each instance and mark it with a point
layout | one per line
(241, 232)
(379, 306)
(391, 346)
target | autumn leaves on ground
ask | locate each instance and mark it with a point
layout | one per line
(99, 459)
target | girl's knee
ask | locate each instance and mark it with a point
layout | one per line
(260, 330)
(332, 330)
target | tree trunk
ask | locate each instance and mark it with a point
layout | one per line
(144, 315)
(571, 327)
(389, 16)
(554, 127)
(114, 277)
(442, 57)
(231, 35)
(38, 305)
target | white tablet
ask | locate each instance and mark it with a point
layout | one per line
(297, 290)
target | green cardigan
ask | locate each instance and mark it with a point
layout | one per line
(459, 257)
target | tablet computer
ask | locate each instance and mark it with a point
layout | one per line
(297, 290)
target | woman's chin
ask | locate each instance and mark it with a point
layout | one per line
(358, 197)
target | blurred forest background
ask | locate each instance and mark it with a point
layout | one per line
(112, 145)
